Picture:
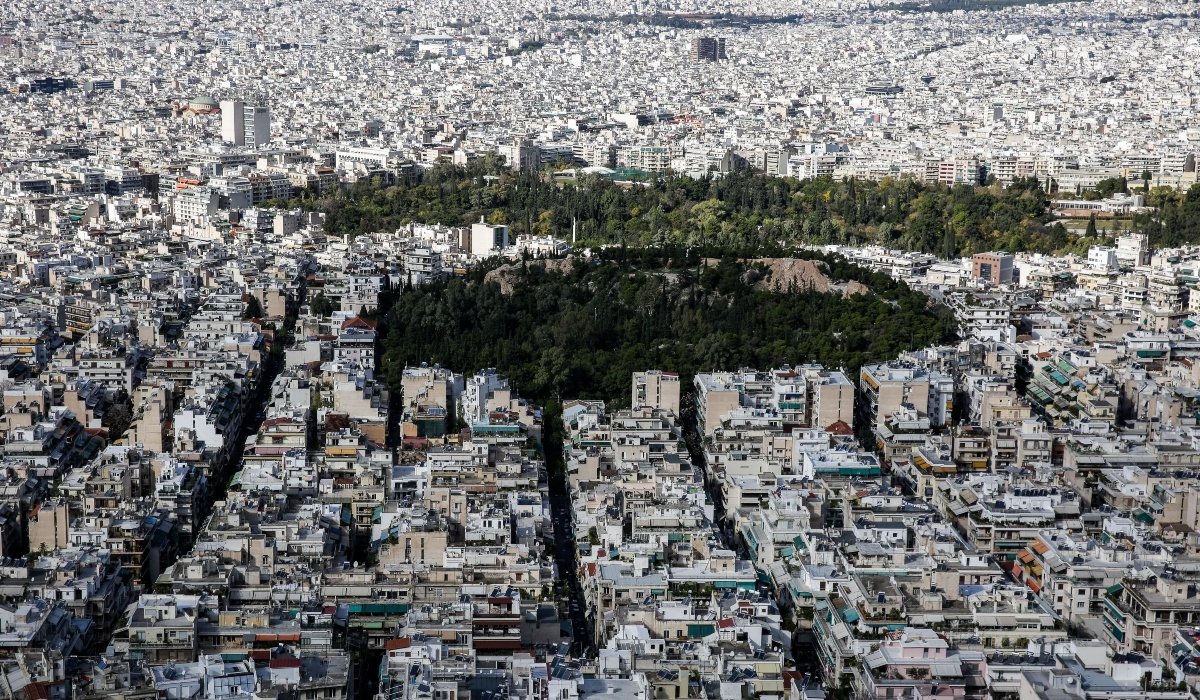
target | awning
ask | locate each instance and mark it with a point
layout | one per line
(945, 670)
(875, 659)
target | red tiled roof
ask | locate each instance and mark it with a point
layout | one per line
(402, 643)
(285, 663)
(360, 322)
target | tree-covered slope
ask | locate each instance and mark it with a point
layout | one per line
(582, 331)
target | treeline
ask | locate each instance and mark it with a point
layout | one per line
(582, 331)
(739, 209)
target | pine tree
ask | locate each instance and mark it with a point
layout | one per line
(948, 242)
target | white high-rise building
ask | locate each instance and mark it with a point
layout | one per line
(1102, 257)
(257, 126)
(245, 126)
(233, 122)
(1133, 250)
(195, 203)
(487, 237)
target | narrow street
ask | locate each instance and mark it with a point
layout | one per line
(564, 543)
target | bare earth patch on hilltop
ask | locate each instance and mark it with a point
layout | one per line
(800, 275)
(508, 275)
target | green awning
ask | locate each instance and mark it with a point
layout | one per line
(1151, 353)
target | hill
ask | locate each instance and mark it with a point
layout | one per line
(581, 329)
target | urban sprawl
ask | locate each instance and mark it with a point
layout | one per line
(213, 487)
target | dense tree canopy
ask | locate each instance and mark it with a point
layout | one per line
(739, 209)
(582, 332)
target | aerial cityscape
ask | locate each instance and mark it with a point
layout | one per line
(793, 350)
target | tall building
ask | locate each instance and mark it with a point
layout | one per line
(232, 122)
(707, 48)
(656, 389)
(257, 126)
(994, 267)
(520, 155)
(487, 237)
(888, 387)
(1133, 249)
(245, 126)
